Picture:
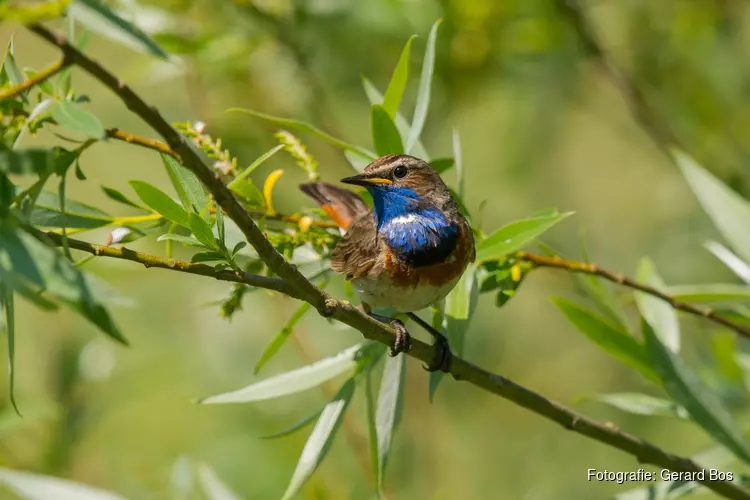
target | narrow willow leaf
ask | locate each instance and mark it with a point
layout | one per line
(659, 314)
(711, 292)
(514, 236)
(643, 404)
(293, 381)
(396, 87)
(617, 343)
(43, 267)
(320, 440)
(7, 306)
(114, 194)
(188, 187)
(442, 165)
(737, 265)
(372, 430)
(253, 166)
(213, 487)
(10, 66)
(207, 257)
(305, 127)
(425, 84)
(297, 426)
(98, 17)
(458, 158)
(40, 111)
(280, 338)
(36, 161)
(187, 240)
(700, 401)
(160, 202)
(76, 118)
(390, 407)
(46, 213)
(201, 230)
(728, 210)
(385, 135)
(375, 97)
(29, 486)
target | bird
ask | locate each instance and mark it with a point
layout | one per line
(405, 253)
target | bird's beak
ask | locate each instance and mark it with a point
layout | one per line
(364, 180)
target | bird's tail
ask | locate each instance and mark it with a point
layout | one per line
(341, 205)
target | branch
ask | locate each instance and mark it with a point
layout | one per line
(631, 93)
(593, 269)
(40, 77)
(145, 142)
(371, 329)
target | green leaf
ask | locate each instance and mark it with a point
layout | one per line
(29, 486)
(425, 82)
(161, 203)
(459, 163)
(76, 118)
(201, 230)
(617, 343)
(46, 213)
(737, 265)
(119, 197)
(658, 313)
(514, 236)
(375, 97)
(10, 70)
(253, 166)
(214, 488)
(297, 426)
(389, 410)
(704, 407)
(712, 292)
(280, 338)
(321, 438)
(188, 187)
(729, 212)
(397, 85)
(41, 162)
(293, 381)
(372, 431)
(442, 164)
(385, 136)
(6, 304)
(249, 191)
(207, 257)
(98, 17)
(187, 240)
(643, 404)
(305, 127)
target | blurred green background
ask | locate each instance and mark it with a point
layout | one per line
(541, 125)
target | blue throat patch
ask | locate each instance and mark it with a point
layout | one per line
(418, 234)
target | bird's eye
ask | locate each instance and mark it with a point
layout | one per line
(400, 172)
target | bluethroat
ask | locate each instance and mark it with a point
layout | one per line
(406, 253)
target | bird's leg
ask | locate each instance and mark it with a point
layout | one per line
(443, 354)
(402, 342)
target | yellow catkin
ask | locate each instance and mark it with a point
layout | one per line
(271, 180)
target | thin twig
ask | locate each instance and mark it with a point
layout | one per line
(371, 329)
(145, 142)
(40, 77)
(593, 269)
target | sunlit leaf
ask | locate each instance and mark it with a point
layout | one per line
(8, 308)
(280, 338)
(189, 188)
(293, 381)
(399, 78)
(42, 109)
(389, 409)
(305, 127)
(77, 118)
(617, 343)
(385, 136)
(213, 487)
(425, 84)
(98, 17)
(321, 438)
(711, 292)
(643, 404)
(659, 314)
(729, 212)
(703, 405)
(160, 202)
(514, 236)
(737, 265)
(31, 486)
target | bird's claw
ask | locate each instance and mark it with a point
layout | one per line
(402, 342)
(443, 355)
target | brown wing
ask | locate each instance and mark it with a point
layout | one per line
(341, 205)
(357, 252)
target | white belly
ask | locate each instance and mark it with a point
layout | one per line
(382, 294)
